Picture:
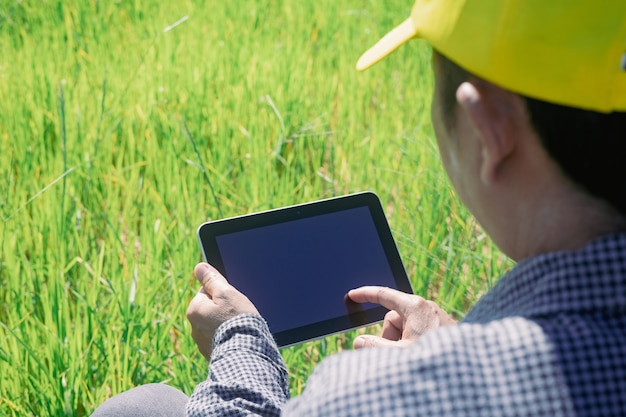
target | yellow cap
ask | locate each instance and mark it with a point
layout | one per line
(568, 52)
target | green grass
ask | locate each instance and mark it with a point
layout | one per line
(118, 138)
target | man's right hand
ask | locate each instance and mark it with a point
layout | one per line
(409, 316)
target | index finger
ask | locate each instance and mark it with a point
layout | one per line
(385, 296)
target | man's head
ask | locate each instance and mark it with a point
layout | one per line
(523, 165)
(525, 137)
(589, 146)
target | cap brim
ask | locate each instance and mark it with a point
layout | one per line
(389, 43)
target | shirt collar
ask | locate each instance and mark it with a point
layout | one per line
(590, 279)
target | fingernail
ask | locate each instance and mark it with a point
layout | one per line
(359, 343)
(200, 270)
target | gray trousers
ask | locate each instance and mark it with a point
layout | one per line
(150, 400)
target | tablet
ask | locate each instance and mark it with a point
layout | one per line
(297, 263)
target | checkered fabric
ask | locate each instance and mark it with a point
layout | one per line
(548, 340)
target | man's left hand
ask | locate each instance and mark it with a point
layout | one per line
(216, 302)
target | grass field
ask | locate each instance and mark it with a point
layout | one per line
(126, 124)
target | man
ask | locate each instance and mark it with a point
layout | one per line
(529, 111)
(531, 125)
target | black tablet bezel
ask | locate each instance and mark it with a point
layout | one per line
(208, 232)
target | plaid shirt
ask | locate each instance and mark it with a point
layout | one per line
(548, 340)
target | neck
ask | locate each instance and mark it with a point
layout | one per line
(563, 223)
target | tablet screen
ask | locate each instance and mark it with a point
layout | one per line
(297, 264)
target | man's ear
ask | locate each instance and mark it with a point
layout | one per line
(492, 113)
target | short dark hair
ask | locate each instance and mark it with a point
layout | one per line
(588, 146)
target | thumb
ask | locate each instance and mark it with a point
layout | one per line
(367, 341)
(212, 281)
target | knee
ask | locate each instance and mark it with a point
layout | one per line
(143, 401)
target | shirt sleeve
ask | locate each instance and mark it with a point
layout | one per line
(505, 368)
(247, 375)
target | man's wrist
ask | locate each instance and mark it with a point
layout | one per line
(244, 331)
